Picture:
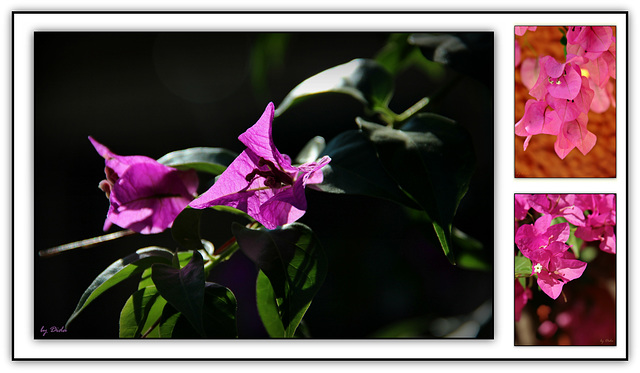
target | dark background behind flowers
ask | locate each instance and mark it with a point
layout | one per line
(152, 93)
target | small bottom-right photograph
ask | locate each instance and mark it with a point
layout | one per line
(565, 269)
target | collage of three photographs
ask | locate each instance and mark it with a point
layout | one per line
(343, 184)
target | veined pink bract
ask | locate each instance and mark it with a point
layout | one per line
(144, 195)
(261, 181)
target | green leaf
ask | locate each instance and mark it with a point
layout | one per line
(444, 236)
(267, 56)
(268, 307)
(270, 311)
(119, 271)
(183, 288)
(355, 169)
(169, 320)
(186, 229)
(558, 220)
(311, 151)
(470, 253)
(398, 55)
(219, 316)
(432, 159)
(522, 266)
(145, 279)
(575, 242)
(141, 311)
(363, 79)
(210, 160)
(295, 265)
(470, 53)
(523, 282)
(183, 258)
(233, 211)
(219, 312)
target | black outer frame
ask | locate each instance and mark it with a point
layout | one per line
(13, 13)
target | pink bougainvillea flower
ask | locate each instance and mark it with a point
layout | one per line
(261, 181)
(537, 119)
(521, 205)
(598, 67)
(532, 121)
(603, 98)
(561, 80)
(574, 134)
(144, 195)
(593, 40)
(522, 296)
(531, 238)
(529, 70)
(558, 272)
(598, 71)
(558, 205)
(568, 110)
(546, 247)
(521, 30)
(600, 221)
(610, 57)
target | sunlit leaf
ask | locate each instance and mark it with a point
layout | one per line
(522, 266)
(119, 271)
(141, 311)
(311, 151)
(183, 288)
(210, 160)
(294, 265)
(183, 258)
(363, 79)
(218, 314)
(268, 307)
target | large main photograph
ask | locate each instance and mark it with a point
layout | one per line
(263, 185)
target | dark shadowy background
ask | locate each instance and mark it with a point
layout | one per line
(152, 93)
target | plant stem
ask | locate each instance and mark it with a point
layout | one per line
(84, 243)
(155, 324)
(413, 110)
(387, 115)
(226, 250)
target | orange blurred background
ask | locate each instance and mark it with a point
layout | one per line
(540, 159)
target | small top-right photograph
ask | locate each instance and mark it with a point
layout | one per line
(565, 101)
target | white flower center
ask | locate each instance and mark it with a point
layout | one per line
(537, 268)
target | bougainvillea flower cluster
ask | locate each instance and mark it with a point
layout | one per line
(589, 217)
(545, 245)
(261, 181)
(144, 195)
(565, 91)
(600, 222)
